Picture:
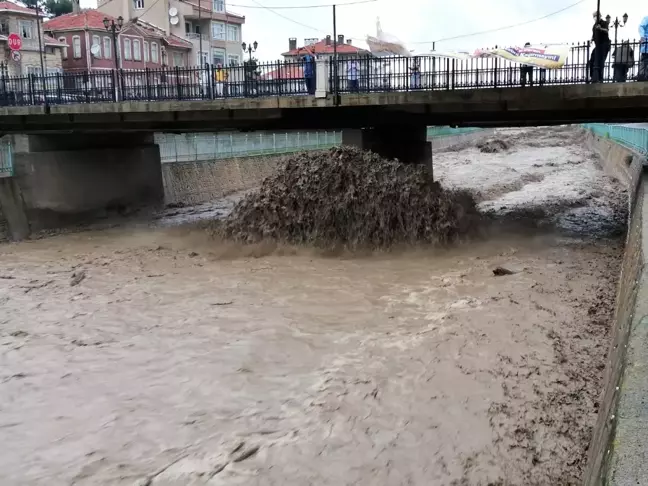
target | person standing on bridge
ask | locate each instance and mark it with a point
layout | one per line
(601, 38)
(309, 71)
(526, 71)
(643, 63)
(623, 61)
(220, 77)
(353, 75)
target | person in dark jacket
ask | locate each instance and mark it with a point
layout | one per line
(309, 71)
(601, 38)
(623, 60)
(526, 71)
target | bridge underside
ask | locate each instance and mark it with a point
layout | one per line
(481, 107)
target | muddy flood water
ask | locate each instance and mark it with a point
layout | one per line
(153, 355)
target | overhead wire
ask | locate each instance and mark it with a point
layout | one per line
(506, 27)
(296, 7)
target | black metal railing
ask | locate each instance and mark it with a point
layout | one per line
(623, 62)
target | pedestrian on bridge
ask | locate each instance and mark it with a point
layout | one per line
(309, 71)
(623, 61)
(601, 38)
(220, 77)
(643, 63)
(353, 75)
(526, 71)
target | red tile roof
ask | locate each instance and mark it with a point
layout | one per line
(86, 19)
(175, 41)
(12, 7)
(321, 48)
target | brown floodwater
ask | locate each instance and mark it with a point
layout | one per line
(158, 357)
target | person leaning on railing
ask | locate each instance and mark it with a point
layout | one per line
(643, 63)
(623, 60)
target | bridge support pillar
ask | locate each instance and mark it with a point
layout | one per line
(407, 143)
(67, 178)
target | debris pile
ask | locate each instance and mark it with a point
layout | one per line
(493, 146)
(350, 198)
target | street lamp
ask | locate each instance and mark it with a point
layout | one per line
(617, 23)
(250, 48)
(114, 28)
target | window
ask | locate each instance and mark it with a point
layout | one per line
(218, 30)
(64, 49)
(233, 60)
(107, 47)
(233, 33)
(154, 52)
(26, 28)
(139, 4)
(188, 28)
(218, 56)
(76, 47)
(4, 27)
(53, 71)
(219, 5)
(178, 59)
(128, 55)
(146, 51)
(202, 58)
(33, 71)
(137, 51)
(96, 41)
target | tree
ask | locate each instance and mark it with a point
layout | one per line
(58, 7)
(52, 8)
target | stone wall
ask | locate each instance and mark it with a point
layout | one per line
(619, 444)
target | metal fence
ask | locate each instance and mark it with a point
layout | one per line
(624, 62)
(6, 159)
(193, 147)
(635, 138)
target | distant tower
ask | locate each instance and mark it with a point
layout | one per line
(76, 6)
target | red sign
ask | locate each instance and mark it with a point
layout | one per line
(14, 41)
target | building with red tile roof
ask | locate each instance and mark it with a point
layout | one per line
(17, 19)
(139, 45)
(324, 47)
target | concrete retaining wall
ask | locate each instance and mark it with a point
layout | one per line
(198, 182)
(619, 449)
(460, 141)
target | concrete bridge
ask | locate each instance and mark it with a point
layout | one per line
(78, 158)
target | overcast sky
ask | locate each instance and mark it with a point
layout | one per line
(416, 22)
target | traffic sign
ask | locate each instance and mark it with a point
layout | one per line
(14, 41)
(15, 56)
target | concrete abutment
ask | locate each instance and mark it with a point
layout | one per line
(407, 143)
(67, 178)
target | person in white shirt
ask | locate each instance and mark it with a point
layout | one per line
(353, 75)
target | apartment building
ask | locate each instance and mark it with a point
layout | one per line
(15, 19)
(215, 35)
(139, 45)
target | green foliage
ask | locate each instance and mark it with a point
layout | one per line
(53, 8)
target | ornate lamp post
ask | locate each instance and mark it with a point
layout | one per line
(250, 48)
(114, 28)
(617, 23)
(250, 69)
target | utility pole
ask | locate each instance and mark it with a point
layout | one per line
(335, 58)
